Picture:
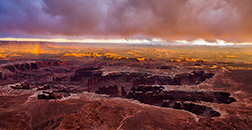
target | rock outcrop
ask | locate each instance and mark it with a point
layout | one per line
(111, 90)
(46, 94)
(45, 87)
(22, 85)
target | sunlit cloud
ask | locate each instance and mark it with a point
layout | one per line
(78, 40)
(153, 41)
(217, 42)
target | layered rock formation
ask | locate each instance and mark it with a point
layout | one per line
(192, 107)
(137, 79)
(33, 65)
(156, 95)
(85, 72)
(111, 90)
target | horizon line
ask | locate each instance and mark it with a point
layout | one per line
(153, 41)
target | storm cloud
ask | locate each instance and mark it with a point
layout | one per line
(228, 20)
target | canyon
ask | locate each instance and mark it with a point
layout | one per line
(51, 94)
(123, 87)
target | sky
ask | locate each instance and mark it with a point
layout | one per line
(182, 20)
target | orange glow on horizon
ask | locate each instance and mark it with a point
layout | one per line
(37, 49)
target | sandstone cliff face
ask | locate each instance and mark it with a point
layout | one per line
(111, 90)
(92, 81)
(152, 94)
(195, 77)
(2, 76)
(192, 107)
(156, 95)
(145, 79)
(85, 73)
(51, 63)
(10, 68)
(33, 66)
(95, 77)
(31, 70)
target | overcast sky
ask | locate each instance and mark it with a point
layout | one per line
(229, 20)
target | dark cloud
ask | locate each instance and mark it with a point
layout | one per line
(228, 20)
